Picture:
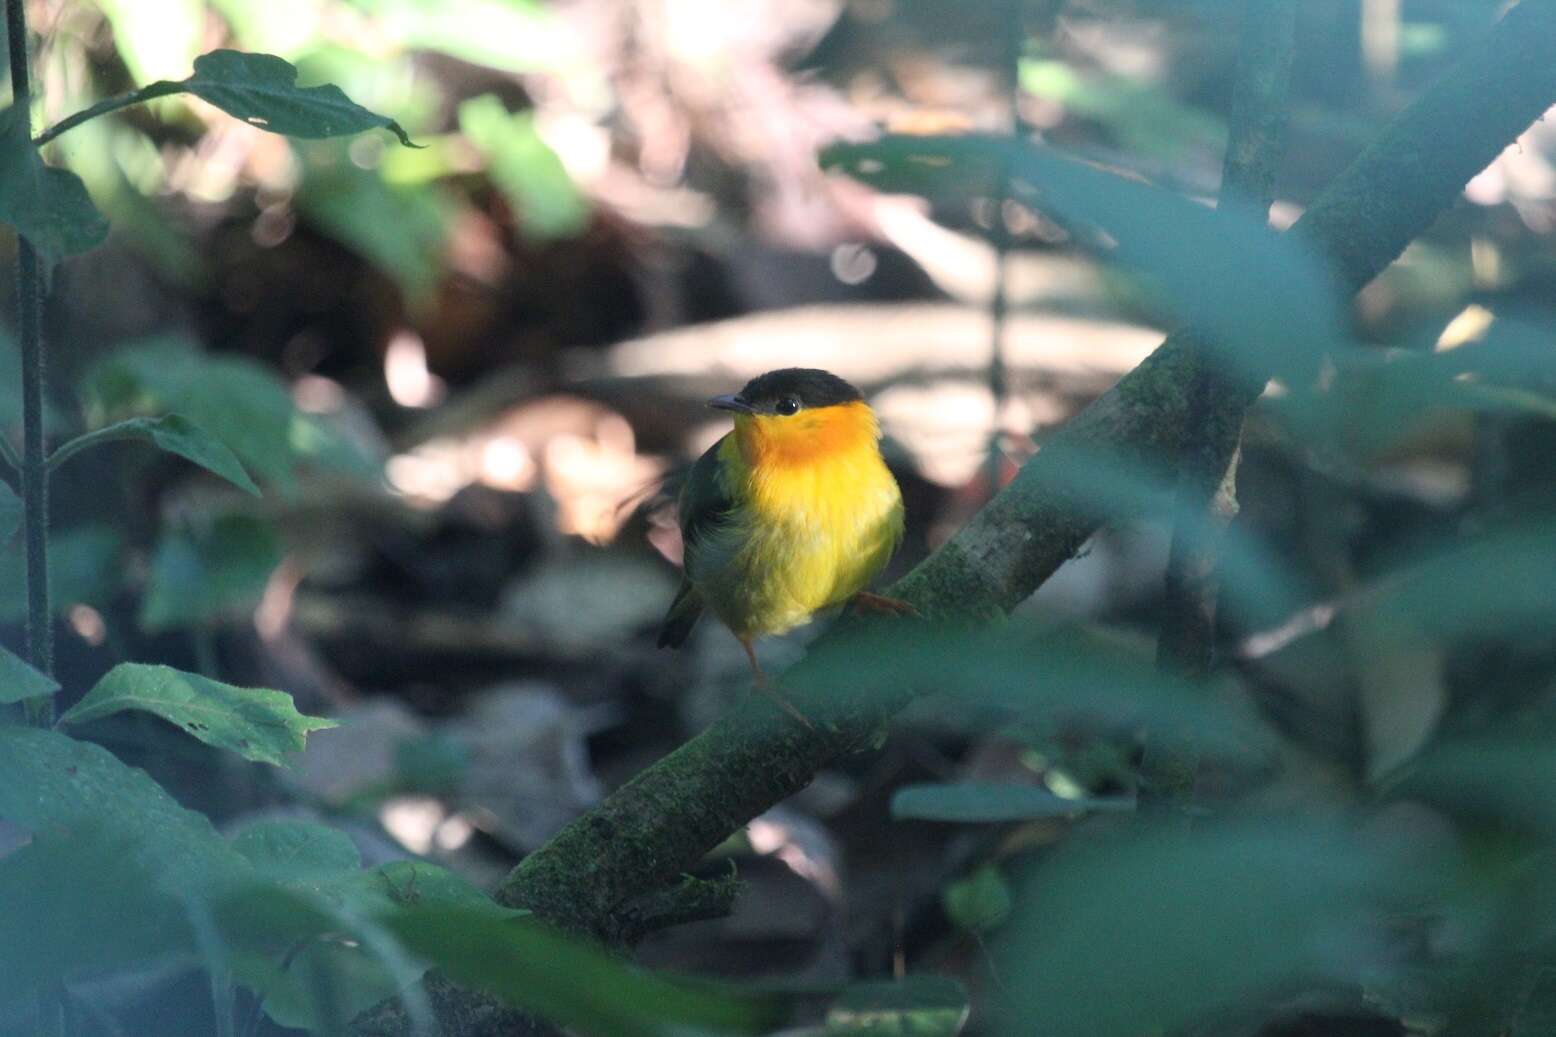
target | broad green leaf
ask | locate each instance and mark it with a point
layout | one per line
(207, 575)
(10, 511)
(399, 230)
(918, 1006)
(1072, 671)
(1506, 782)
(262, 90)
(19, 681)
(255, 723)
(173, 433)
(49, 206)
(1158, 928)
(235, 399)
(436, 919)
(297, 850)
(979, 902)
(989, 801)
(524, 168)
(115, 856)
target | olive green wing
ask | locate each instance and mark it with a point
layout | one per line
(704, 506)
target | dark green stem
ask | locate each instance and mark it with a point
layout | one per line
(35, 476)
(1206, 498)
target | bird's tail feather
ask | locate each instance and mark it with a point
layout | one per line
(681, 617)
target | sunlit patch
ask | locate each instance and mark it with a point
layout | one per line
(274, 610)
(413, 821)
(772, 838)
(88, 624)
(410, 383)
(453, 833)
(315, 394)
(1470, 325)
(582, 452)
(591, 477)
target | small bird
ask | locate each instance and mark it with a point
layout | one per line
(791, 513)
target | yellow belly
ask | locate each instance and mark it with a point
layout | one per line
(807, 538)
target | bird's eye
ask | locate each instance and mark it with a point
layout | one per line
(787, 405)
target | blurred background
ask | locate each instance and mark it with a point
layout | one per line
(463, 374)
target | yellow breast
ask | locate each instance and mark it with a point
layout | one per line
(820, 516)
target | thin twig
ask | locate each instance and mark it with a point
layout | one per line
(1206, 497)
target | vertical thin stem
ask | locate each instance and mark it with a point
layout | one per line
(1206, 500)
(35, 487)
(999, 303)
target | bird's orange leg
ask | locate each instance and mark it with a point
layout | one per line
(771, 693)
(880, 604)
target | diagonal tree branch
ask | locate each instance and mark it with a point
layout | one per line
(660, 824)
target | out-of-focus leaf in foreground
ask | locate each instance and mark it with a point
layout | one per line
(1155, 929)
(1261, 300)
(975, 801)
(114, 857)
(485, 947)
(1068, 671)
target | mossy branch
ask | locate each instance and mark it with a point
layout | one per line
(660, 824)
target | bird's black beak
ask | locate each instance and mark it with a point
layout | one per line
(734, 403)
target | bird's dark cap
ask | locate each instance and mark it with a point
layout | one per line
(809, 386)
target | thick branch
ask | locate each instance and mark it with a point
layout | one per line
(660, 824)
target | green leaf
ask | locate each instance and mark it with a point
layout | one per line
(979, 902)
(1264, 302)
(524, 168)
(1506, 782)
(113, 862)
(205, 576)
(297, 850)
(19, 681)
(917, 1006)
(1158, 929)
(49, 206)
(989, 801)
(173, 433)
(255, 723)
(235, 399)
(10, 511)
(262, 90)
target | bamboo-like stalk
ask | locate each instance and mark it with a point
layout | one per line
(34, 466)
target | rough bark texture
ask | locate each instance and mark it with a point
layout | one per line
(656, 827)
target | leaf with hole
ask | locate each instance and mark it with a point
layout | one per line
(173, 433)
(975, 801)
(48, 206)
(256, 723)
(19, 681)
(261, 90)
